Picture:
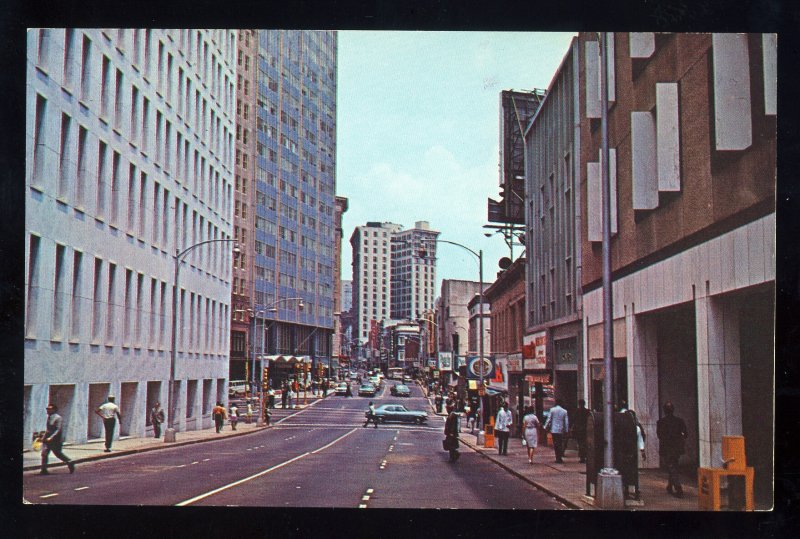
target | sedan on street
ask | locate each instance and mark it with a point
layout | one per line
(401, 390)
(341, 388)
(398, 412)
(366, 390)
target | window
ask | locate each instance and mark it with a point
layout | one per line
(59, 294)
(115, 187)
(131, 198)
(86, 76)
(64, 157)
(138, 315)
(32, 300)
(118, 105)
(76, 297)
(126, 308)
(81, 176)
(39, 139)
(97, 300)
(69, 57)
(105, 87)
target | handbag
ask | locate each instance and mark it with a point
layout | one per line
(446, 444)
(524, 442)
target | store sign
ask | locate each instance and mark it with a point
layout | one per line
(540, 378)
(474, 369)
(432, 363)
(445, 361)
(534, 351)
(514, 362)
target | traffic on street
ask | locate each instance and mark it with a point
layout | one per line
(316, 456)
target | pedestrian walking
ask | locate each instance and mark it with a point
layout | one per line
(234, 416)
(558, 426)
(284, 395)
(314, 388)
(451, 436)
(109, 411)
(290, 398)
(580, 418)
(348, 392)
(156, 419)
(502, 428)
(439, 401)
(671, 431)
(271, 397)
(218, 413)
(249, 412)
(53, 440)
(530, 434)
(371, 415)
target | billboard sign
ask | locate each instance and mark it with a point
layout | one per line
(445, 361)
(474, 368)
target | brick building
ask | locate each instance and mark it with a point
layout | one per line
(692, 138)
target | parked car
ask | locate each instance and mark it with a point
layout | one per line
(341, 388)
(407, 379)
(398, 412)
(367, 390)
(401, 390)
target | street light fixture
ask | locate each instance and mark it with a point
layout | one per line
(169, 433)
(479, 256)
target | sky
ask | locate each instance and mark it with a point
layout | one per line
(418, 132)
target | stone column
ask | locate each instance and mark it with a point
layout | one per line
(719, 384)
(643, 394)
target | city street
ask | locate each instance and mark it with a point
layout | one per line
(320, 456)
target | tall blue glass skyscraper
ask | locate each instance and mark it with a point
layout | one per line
(291, 115)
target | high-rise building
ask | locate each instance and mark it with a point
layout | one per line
(413, 271)
(129, 163)
(372, 272)
(341, 208)
(286, 118)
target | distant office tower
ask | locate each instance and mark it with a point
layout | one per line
(394, 273)
(413, 271)
(285, 165)
(129, 161)
(347, 295)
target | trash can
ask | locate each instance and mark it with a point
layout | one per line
(737, 475)
(489, 433)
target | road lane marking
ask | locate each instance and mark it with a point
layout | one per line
(181, 466)
(259, 474)
(333, 442)
(362, 506)
(206, 460)
(364, 498)
(370, 491)
(81, 488)
(196, 462)
(240, 481)
(49, 495)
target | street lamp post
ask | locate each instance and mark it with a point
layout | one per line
(479, 256)
(169, 433)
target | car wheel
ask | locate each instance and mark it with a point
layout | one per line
(418, 421)
(383, 420)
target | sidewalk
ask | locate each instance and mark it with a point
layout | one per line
(93, 449)
(567, 482)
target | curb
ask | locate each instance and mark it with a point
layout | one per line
(145, 449)
(569, 503)
(159, 447)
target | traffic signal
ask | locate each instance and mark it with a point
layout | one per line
(265, 375)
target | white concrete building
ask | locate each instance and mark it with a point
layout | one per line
(413, 271)
(372, 267)
(129, 160)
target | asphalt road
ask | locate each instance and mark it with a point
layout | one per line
(320, 456)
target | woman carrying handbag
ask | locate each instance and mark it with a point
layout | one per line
(530, 436)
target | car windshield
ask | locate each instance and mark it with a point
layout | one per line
(401, 387)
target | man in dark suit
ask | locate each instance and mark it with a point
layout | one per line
(672, 433)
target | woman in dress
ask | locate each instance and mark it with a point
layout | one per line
(531, 434)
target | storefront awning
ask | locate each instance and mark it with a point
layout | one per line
(291, 360)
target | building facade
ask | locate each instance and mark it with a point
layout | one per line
(452, 317)
(692, 131)
(372, 271)
(339, 293)
(130, 161)
(288, 168)
(553, 233)
(413, 271)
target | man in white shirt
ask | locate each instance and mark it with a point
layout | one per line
(502, 429)
(109, 412)
(558, 425)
